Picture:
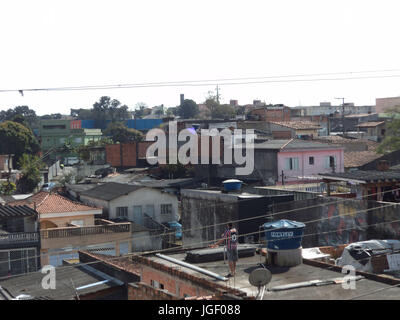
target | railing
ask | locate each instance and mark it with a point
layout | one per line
(151, 223)
(21, 237)
(85, 231)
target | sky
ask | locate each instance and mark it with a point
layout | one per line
(50, 44)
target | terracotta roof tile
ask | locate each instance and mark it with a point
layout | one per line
(52, 203)
(356, 159)
(297, 124)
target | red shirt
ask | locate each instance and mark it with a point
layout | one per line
(231, 239)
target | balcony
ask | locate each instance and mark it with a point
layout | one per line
(20, 239)
(102, 232)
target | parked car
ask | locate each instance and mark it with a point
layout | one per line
(177, 227)
(48, 186)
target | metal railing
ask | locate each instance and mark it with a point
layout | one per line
(85, 231)
(20, 237)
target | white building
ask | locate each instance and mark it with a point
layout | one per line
(142, 205)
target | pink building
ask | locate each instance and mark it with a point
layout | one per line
(301, 161)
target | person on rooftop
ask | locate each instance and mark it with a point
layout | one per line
(231, 238)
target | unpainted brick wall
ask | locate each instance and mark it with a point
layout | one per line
(141, 291)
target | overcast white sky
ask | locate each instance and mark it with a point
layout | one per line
(72, 43)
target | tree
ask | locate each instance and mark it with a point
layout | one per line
(120, 133)
(17, 139)
(7, 188)
(391, 142)
(108, 109)
(172, 111)
(223, 111)
(30, 167)
(188, 109)
(140, 110)
(31, 119)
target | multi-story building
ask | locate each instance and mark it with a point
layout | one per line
(54, 134)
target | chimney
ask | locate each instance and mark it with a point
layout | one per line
(383, 165)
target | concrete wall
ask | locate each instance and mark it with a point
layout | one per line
(205, 209)
(383, 104)
(342, 222)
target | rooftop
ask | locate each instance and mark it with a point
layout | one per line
(69, 281)
(370, 124)
(284, 276)
(364, 176)
(48, 202)
(110, 190)
(297, 124)
(16, 211)
(356, 159)
(291, 144)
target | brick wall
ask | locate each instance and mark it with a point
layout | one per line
(142, 291)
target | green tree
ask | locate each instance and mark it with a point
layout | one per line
(29, 115)
(118, 132)
(7, 188)
(30, 167)
(108, 109)
(17, 139)
(188, 109)
(223, 111)
(391, 142)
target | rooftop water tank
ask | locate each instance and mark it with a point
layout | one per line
(283, 234)
(232, 185)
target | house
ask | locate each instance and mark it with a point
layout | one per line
(373, 130)
(271, 113)
(294, 129)
(299, 160)
(149, 207)
(66, 226)
(19, 240)
(379, 185)
(57, 133)
(385, 104)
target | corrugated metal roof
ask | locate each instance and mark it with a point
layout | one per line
(110, 191)
(16, 211)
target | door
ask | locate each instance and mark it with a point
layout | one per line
(137, 215)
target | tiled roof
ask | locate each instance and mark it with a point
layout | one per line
(356, 159)
(370, 124)
(297, 124)
(366, 176)
(47, 202)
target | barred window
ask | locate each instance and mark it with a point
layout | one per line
(166, 208)
(122, 212)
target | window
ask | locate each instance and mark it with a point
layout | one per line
(122, 212)
(311, 161)
(292, 164)
(330, 162)
(166, 208)
(156, 284)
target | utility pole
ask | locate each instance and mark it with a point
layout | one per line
(217, 94)
(344, 131)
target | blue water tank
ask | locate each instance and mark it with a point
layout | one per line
(232, 185)
(283, 234)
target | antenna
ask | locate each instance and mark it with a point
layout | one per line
(260, 278)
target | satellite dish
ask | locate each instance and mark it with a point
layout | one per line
(260, 277)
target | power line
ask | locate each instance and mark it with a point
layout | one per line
(213, 82)
(251, 218)
(211, 241)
